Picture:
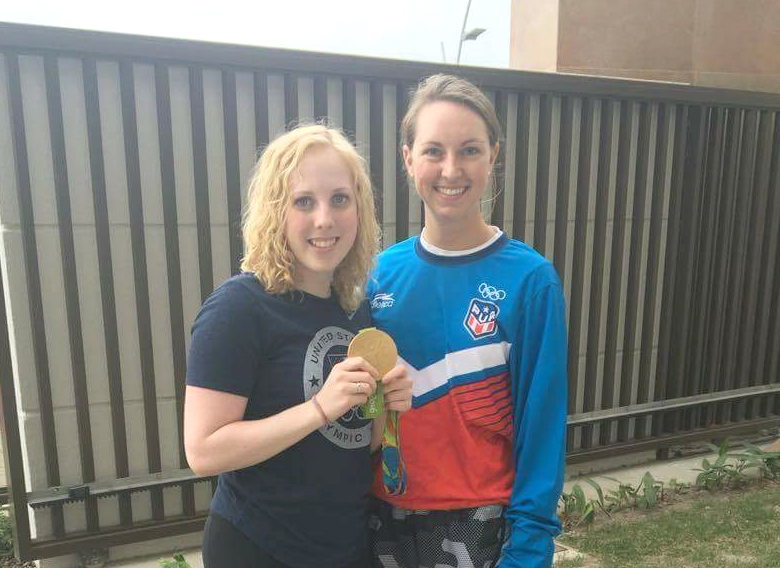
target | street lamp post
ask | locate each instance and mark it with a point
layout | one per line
(472, 34)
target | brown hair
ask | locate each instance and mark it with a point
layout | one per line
(454, 89)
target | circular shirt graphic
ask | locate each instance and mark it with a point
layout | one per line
(327, 348)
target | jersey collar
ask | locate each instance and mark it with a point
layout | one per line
(435, 255)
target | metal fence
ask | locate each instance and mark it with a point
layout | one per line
(123, 163)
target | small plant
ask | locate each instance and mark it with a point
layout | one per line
(621, 498)
(577, 508)
(176, 562)
(648, 494)
(6, 535)
(678, 488)
(721, 473)
(768, 463)
(652, 492)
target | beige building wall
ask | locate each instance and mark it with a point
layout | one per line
(737, 44)
(723, 43)
(533, 35)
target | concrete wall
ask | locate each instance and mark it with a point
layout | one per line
(534, 35)
(737, 44)
(719, 43)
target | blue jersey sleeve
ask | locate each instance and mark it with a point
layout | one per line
(538, 371)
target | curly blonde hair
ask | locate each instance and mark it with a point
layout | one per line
(267, 253)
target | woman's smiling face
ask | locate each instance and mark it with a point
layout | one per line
(450, 163)
(322, 218)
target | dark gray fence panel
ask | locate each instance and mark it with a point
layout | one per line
(129, 160)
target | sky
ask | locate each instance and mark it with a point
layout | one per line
(398, 29)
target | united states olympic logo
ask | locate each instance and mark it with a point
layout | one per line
(490, 293)
(327, 348)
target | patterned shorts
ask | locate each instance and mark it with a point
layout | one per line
(465, 538)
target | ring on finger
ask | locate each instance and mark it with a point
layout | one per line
(358, 388)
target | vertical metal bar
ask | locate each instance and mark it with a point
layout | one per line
(261, 109)
(770, 287)
(320, 99)
(70, 280)
(290, 101)
(173, 261)
(521, 168)
(597, 266)
(722, 238)
(692, 178)
(692, 416)
(737, 252)
(401, 182)
(748, 338)
(616, 259)
(106, 273)
(663, 388)
(653, 257)
(138, 245)
(12, 441)
(499, 175)
(757, 176)
(201, 177)
(705, 276)
(729, 233)
(349, 105)
(562, 193)
(627, 376)
(232, 167)
(578, 260)
(30, 252)
(376, 146)
(542, 174)
(693, 380)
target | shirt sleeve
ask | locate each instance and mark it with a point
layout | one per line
(226, 349)
(538, 370)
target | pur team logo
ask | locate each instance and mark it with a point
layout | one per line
(480, 320)
(382, 300)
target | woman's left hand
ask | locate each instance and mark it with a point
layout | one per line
(397, 389)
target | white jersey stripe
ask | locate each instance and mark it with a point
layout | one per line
(455, 364)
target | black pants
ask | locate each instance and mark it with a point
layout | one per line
(224, 546)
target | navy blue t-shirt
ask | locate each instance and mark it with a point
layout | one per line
(307, 505)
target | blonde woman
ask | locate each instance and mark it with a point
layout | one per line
(270, 400)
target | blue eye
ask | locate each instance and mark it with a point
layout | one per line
(432, 151)
(340, 200)
(471, 151)
(302, 202)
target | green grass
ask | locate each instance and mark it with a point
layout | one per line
(733, 530)
(576, 562)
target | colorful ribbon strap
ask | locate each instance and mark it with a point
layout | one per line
(393, 469)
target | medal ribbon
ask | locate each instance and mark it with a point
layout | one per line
(393, 469)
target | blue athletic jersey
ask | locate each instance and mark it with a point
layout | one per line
(483, 337)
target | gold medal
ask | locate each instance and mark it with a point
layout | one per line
(378, 348)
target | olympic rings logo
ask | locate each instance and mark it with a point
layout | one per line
(490, 293)
(354, 413)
